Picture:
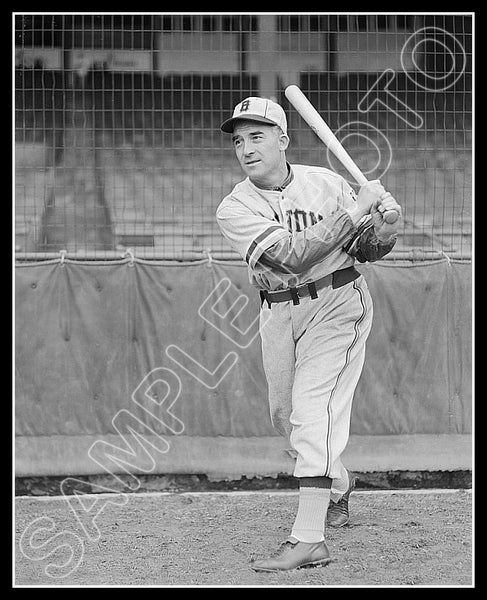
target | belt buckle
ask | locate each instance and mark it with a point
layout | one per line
(309, 287)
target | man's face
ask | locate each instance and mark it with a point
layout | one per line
(260, 149)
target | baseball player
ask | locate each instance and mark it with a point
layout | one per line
(301, 229)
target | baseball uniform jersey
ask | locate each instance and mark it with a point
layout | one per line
(296, 233)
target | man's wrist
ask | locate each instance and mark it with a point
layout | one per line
(356, 214)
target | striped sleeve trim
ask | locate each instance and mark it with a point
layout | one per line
(364, 223)
(263, 241)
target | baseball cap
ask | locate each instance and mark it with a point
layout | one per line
(262, 110)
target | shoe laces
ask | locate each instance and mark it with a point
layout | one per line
(282, 548)
(341, 506)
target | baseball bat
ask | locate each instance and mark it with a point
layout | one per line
(326, 135)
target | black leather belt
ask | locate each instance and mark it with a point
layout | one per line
(336, 280)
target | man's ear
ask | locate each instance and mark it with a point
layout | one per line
(283, 141)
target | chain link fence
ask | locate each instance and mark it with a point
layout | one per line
(117, 141)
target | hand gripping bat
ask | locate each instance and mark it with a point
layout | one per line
(326, 135)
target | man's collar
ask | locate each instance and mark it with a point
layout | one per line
(284, 184)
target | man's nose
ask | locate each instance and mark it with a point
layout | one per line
(248, 148)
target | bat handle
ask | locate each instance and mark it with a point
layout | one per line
(389, 216)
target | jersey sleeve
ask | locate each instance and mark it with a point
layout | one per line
(259, 238)
(248, 233)
(307, 248)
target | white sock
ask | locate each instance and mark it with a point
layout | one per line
(309, 525)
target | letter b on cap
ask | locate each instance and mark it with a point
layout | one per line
(244, 107)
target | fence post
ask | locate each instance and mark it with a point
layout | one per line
(268, 56)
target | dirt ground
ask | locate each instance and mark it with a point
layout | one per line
(417, 538)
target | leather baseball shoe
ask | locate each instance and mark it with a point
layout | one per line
(293, 554)
(338, 515)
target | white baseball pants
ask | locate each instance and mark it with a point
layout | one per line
(313, 354)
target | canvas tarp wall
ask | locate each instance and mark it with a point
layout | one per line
(98, 344)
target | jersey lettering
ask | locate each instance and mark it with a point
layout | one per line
(298, 219)
(313, 218)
